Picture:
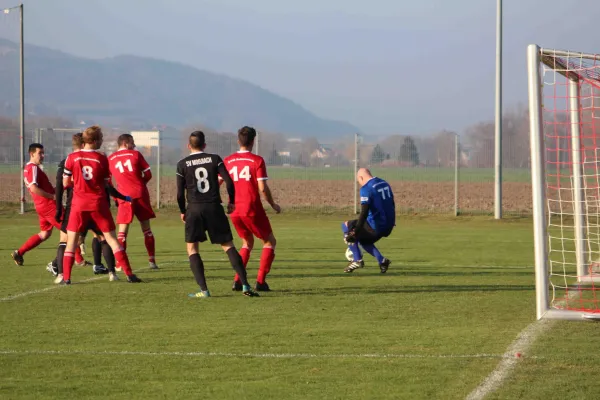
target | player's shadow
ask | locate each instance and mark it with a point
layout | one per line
(405, 289)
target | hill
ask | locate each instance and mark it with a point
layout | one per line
(138, 90)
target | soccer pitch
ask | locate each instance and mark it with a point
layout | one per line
(456, 297)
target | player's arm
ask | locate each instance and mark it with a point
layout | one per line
(110, 189)
(265, 191)
(35, 189)
(145, 168)
(362, 217)
(33, 185)
(181, 189)
(59, 191)
(228, 182)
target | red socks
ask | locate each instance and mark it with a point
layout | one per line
(123, 261)
(68, 260)
(149, 243)
(266, 260)
(31, 243)
(78, 257)
(245, 254)
(122, 239)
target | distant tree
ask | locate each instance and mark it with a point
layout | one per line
(408, 151)
(378, 155)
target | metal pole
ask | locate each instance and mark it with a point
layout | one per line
(256, 144)
(538, 181)
(456, 167)
(498, 135)
(158, 173)
(22, 111)
(354, 175)
(578, 190)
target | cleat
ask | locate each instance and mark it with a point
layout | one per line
(152, 265)
(354, 265)
(237, 286)
(383, 267)
(99, 269)
(248, 292)
(84, 263)
(200, 295)
(112, 277)
(67, 282)
(133, 279)
(53, 269)
(262, 287)
(17, 258)
(82, 248)
(61, 281)
(118, 269)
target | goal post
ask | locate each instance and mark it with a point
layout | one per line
(564, 112)
(148, 143)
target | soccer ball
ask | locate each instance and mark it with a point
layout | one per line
(349, 255)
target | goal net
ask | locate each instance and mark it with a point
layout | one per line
(564, 106)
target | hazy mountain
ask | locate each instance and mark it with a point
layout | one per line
(148, 91)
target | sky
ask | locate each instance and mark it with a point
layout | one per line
(386, 66)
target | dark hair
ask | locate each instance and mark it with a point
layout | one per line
(197, 140)
(77, 140)
(246, 136)
(34, 146)
(125, 138)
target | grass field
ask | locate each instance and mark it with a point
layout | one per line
(458, 293)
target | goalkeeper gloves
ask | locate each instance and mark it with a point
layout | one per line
(351, 237)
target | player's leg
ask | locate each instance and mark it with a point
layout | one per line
(357, 261)
(195, 233)
(142, 209)
(56, 267)
(105, 223)
(98, 245)
(124, 218)
(68, 258)
(262, 229)
(35, 240)
(149, 243)
(367, 239)
(197, 267)
(247, 244)
(238, 266)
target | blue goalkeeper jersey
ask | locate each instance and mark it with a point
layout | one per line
(377, 193)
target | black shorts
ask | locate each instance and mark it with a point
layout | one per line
(208, 217)
(91, 225)
(367, 235)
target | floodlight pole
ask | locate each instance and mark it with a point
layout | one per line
(498, 133)
(22, 108)
(456, 171)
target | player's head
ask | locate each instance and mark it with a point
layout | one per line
(246, 136)
(125, 141)
(93, 137)
(197, 141)
(363, 175)
(36, 153)
(77, 141)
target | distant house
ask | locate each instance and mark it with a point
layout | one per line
(322, 153)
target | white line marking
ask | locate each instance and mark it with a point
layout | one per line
(243, 355)
(509, 360)
(46, 289)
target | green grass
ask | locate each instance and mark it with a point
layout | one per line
(457, 288)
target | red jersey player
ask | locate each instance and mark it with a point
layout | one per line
(131, 172)
(87, 170)
(249, 175)
(42, 193)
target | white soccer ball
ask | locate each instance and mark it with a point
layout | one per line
(349, 255)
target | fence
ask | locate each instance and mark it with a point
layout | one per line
(442, 175)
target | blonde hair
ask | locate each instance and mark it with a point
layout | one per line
(92, 134)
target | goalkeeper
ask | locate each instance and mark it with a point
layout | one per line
(377, 219)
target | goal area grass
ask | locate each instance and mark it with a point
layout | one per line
(458, 293)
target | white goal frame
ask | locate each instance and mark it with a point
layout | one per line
(536, 57)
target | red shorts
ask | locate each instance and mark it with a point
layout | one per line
(78, 220)
(257, 225)
(141, 208)
(47, 220)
